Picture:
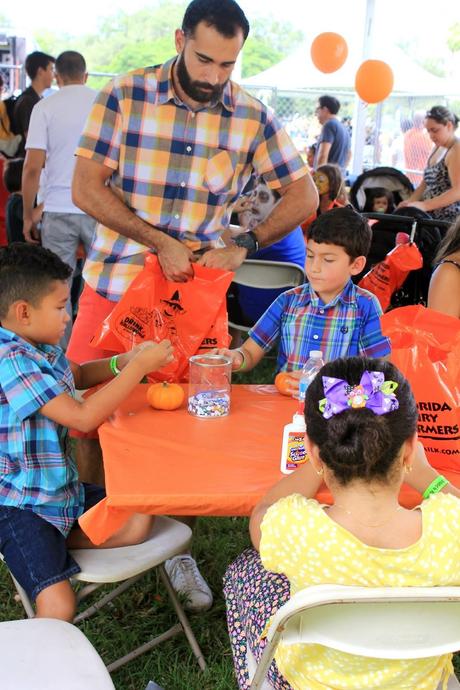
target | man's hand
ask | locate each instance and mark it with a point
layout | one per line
(30, 231)
(227, 258)
(175, 260)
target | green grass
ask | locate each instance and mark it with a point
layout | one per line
(144, 610)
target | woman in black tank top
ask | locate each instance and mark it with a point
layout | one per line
(439, 192)
(444, 291)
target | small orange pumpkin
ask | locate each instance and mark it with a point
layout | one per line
(165, 396)
(284, 382)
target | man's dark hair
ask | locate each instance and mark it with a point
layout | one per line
(12, 174)
(226, 16)
(331, 103)
(36, 60)
(71, 65)
(27, 272)
(344, 227)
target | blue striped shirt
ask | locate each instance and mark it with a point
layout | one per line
(300, 321)
(37, 471)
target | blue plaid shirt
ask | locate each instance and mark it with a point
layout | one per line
(300, 321)
(37, 471)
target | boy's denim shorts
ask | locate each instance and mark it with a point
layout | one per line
(34, 550)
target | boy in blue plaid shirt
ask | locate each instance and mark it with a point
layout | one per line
(328, 313)
(41, 497)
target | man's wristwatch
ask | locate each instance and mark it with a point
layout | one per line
(247, 240)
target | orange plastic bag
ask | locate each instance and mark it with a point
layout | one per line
(426, 348)
(388, 275)
(192, 315)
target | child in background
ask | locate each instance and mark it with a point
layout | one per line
(363, 448)
(330, 184)
(41, 497)
(329, 313)
(246, 304)
(379, 200)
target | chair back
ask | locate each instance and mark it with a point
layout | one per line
(271, 275)
(268, 275)
(384, 622)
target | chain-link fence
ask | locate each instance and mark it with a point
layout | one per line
(394, 134)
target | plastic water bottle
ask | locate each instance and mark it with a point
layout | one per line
(309, 371)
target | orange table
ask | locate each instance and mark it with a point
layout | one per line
(172, 463)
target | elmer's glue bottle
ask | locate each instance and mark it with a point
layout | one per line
(293, 452)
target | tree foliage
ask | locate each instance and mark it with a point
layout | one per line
(146, 37)
(453, 37)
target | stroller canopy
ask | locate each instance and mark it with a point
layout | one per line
(391, 179)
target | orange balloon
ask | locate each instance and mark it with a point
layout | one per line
(329, 51)
(374, 81)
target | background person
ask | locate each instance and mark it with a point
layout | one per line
(363, 449)
(333, 144)
(9, 142)
(417, 148)
(331, 190)
(40, 70)
(444, 290)
(439, 192)
(246, 305)
(55, 128)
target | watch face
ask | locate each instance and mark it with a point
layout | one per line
(245, 240)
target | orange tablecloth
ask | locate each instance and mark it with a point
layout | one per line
(172, 463)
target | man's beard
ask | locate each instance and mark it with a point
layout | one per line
(199, 91)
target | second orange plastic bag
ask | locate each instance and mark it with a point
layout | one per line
(192, 315)
(425, 346)
(388, 275)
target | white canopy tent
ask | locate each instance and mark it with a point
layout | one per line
(297, 71)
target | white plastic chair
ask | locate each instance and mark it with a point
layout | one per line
(126, 565)
(383, 623)
(269, 275)
(49, 654)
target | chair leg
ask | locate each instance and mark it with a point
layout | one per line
(91, 610)
(28, 608)
(175, 630)
(183, 618)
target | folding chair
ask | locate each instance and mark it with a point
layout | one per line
(269, 275)
(383, 623)
(127, 565)
(49, 654)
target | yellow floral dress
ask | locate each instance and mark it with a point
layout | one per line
(300, 540)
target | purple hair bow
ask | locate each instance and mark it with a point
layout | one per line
(372, 392)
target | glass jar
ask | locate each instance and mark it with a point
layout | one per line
(209, 386)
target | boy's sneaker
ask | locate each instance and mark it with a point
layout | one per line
(187, 580)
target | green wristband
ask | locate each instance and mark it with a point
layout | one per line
(435, 487)
(113, 365)
(243, 363)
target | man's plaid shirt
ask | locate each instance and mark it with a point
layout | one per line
(179, 170)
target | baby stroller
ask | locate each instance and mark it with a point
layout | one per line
(390, 179)
(427, 232)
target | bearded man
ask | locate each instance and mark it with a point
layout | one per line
(165, 154)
